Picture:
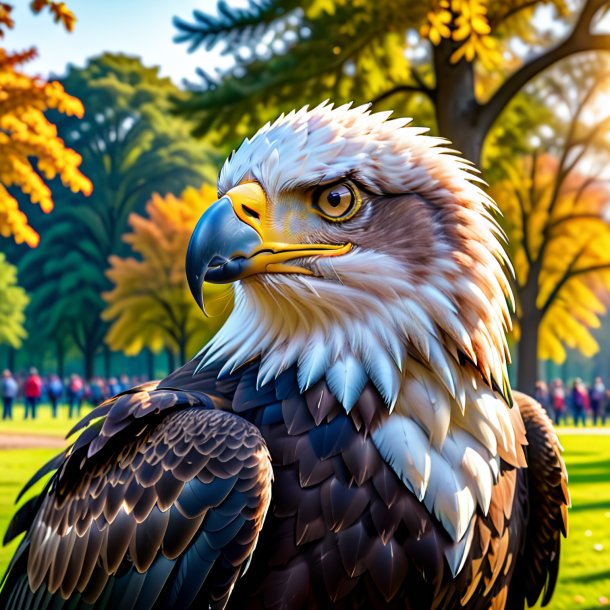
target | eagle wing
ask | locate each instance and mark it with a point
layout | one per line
(548, 501)
(158, 504)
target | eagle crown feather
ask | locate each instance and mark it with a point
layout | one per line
(429, 332)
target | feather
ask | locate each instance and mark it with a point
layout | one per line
(404, 446)
(312, 364)
(346, 379)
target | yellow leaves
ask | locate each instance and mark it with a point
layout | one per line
(463, 21)
(561, 328)
(150, 304)
(30, 148)
(437, 27)
(318, 7)
(560, 231)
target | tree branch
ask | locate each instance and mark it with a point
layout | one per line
(580, 39)
(570, 217)
(494, 23)
(570, 273)
(402, 89)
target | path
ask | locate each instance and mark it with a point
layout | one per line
(31, 441)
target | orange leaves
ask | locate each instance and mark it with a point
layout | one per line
(6, 21)
(29, 147)
(30, 151)
(61, 13)
(150, 304)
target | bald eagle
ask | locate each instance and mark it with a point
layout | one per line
(349, 438)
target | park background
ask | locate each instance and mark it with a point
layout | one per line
(116, 116)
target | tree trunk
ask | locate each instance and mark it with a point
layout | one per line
(171, 360)
(455, 105)
(89, 363)
(182, 348)
(150, 363)
(11, 358)
(527, 354)
(529, 321)
(107, 362)
(60, 358)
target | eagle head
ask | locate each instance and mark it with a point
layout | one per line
(358, 240)
(364, 252)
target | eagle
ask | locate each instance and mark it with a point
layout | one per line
(349, 438)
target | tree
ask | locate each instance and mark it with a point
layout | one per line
(13, 301)
(131, 147)
(454, 57)
(31, 153)
(556, 215)
(150, 304)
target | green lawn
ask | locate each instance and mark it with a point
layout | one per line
(584, 577)
(584, 580)
(43, 424)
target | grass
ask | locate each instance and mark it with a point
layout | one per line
(16, 466)
(584, 577)
(44, 423)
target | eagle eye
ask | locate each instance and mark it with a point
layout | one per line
(337, 202)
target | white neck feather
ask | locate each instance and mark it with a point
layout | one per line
(447, 430)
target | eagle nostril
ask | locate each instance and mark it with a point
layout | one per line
(250, 212)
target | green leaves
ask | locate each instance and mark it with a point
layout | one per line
(13, 301)
(132, 146)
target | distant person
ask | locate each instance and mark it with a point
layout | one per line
(9, 393)
(33, 392)
(580, 401)
(114, 387)
(55, 389)
(541, 394)
(124, 383)
(597, 396)
(558, 401)
(96, 391)
(76, 389)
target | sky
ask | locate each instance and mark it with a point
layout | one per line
(140, 27)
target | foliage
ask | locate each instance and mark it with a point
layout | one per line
(131, 147)
(60, 12)
(458, 57)
(150, 303)
(13, 301)
(564, 228)
(555, 201)
(27, 135)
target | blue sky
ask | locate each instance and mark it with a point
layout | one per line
(140, 27)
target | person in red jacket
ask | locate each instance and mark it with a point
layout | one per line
(33, 391)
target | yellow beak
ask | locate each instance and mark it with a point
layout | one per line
(235, 239)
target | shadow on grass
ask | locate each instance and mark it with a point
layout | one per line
(590, 506)
(589, 473)
(588, 578)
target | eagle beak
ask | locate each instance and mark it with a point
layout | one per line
(233, 240)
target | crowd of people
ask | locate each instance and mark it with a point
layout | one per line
(575, 401)
(562, 402)
(33, 389)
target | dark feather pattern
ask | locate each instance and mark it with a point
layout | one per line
(166, 482)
